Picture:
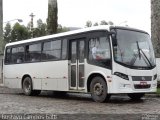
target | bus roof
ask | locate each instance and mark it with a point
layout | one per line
(102, 27)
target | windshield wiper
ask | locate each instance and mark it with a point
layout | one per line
(139, 53)
(139, 49)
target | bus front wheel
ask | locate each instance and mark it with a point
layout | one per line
(136, 96)
(98, 88)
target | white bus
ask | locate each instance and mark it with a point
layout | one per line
(101, 60)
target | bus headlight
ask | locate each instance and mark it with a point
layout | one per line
(121, 75)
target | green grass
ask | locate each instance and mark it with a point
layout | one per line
(158, 90)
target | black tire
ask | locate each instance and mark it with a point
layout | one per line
(27, 86)
(136, 96)
(99, 90)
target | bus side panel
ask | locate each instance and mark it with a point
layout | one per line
(13, 74)
(92, 69)
(51, 75)
(55, 75)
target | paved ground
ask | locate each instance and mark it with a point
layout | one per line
(76, 106)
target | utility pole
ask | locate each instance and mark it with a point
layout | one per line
(31, 27)
(1, 26)
(1, 40)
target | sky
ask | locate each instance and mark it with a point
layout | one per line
(75, 13)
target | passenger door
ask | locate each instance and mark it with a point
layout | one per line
(76, 64)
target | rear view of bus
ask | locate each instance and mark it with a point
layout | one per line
(134, 68)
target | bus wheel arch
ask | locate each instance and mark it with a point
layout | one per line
(89, 80)
(27, 86)
(97, 85)
(24, 76)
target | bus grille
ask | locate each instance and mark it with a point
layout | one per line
(137, 86)
(141, 78)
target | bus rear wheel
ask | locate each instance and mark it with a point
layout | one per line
(28, 89)
(136, 96)
(98, 88)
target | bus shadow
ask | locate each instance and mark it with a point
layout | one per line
(67, 96)
(124, 100)
(115, 99)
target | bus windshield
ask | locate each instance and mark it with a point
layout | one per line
(133, 49)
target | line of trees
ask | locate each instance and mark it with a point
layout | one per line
(19, 32)
(103, 22)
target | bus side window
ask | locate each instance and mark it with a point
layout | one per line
(64, 49)
(8, 56)
(51, 50)
(17, 55)
(99, 51)
(99, 48)
(33, 52)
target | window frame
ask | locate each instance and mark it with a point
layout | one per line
(44, 60)
(103, 33)
(26, 53)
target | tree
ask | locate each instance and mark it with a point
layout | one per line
(103, 22)
(19, 32)
(7, 33)
(88, 24)
(155, 26)
(95, 24)
(41, 29)
(52, 21)
(110, 23)
(62, 29)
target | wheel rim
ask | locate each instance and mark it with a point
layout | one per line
(98, 89)
(27, 86)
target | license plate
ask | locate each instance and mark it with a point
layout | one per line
(143, 83)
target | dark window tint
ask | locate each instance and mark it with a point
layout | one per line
(51, 50)
(17, 55)
(81, 75)
(73, 76)
(64, 49)
(33, 52)
(81, 51)
(73, 52)
(8, 56)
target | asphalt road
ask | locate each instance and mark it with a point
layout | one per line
(15, 105)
